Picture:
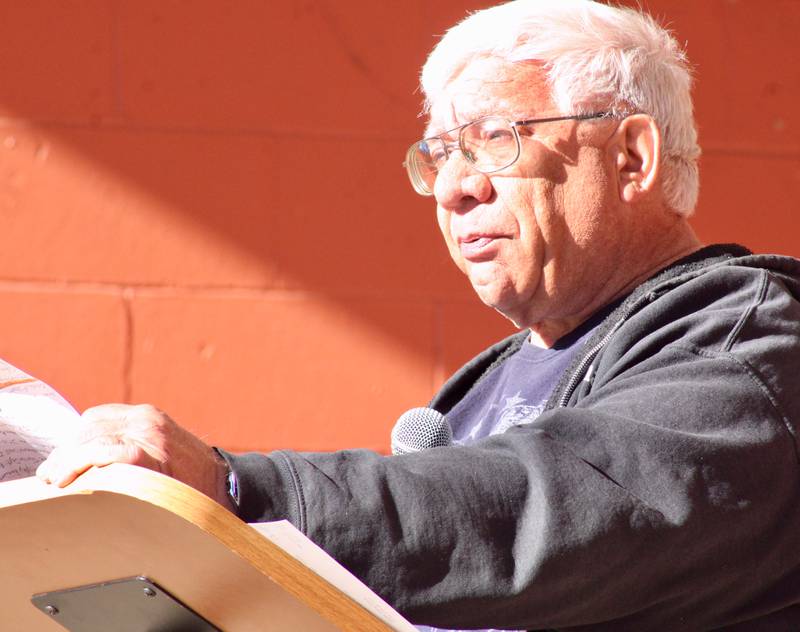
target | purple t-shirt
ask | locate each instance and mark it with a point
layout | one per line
(514, 394)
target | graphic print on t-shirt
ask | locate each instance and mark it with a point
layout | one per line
(516, 392)
(517, 413)
(511, 411)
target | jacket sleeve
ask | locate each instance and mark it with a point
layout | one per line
(666, 495)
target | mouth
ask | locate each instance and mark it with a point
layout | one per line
(478, 247)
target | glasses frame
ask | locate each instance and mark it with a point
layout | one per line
(422, 188)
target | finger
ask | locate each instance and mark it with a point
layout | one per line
(64, 465)
(106, 420)
(141, 425)
(97, 423)
(105, 412)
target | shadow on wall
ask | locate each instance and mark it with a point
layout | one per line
(281, 129)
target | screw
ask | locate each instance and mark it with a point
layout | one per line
(51, 610)
(149, 592)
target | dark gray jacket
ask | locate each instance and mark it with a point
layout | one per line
(661, 490)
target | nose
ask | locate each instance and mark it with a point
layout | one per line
(460, 186)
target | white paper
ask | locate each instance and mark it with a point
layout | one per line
(33, 420)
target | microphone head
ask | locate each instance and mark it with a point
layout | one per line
(419, 429)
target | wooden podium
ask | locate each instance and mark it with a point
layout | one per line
(124, 549)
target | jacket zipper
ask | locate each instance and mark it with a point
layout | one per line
(587, 360)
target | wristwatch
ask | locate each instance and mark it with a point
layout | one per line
(231, 481)
(233, 487)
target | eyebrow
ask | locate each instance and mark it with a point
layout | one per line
(471, 115)
(478, 113)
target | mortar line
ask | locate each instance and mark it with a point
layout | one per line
(128, 333)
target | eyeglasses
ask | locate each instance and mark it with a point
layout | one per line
(489, 144)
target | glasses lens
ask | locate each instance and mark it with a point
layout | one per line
(421, 163)
(490, 144)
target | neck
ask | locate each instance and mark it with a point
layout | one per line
(655, 256)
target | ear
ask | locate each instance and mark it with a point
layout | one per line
(637, 149)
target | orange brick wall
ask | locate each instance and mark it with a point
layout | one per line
(203, 205)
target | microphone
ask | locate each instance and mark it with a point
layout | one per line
(419, 429)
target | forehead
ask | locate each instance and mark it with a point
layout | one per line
(490, 85)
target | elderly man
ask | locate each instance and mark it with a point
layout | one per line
(629, 461)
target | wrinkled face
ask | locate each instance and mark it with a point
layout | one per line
(536, 239)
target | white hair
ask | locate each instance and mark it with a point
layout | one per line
(594, 56)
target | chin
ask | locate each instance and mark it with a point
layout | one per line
(518, 321)
(504, 305)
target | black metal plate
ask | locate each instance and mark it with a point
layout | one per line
(134, 604)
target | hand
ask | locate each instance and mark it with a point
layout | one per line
(138, 435)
